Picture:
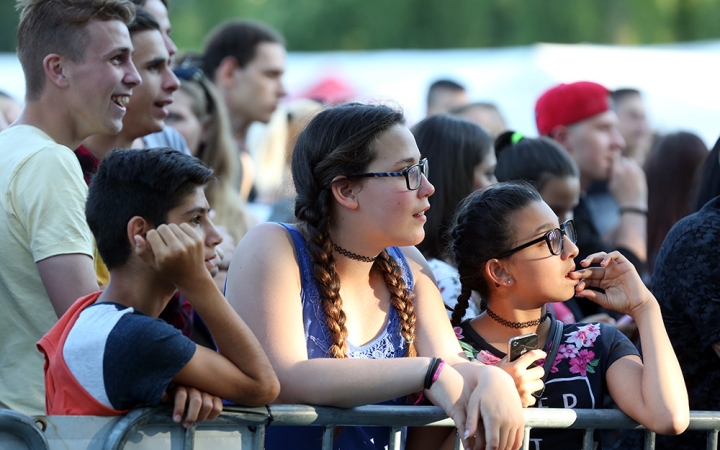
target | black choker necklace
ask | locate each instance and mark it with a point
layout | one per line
(516, 325)
(352, 255)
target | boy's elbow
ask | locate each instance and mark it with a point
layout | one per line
(270, 389)
(262, 392)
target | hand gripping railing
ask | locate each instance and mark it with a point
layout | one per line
(23, 428)
(396, 417)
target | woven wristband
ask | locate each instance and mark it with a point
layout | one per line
(436, 375)
(433, 373)
(432, 368)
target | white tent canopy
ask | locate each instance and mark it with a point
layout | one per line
(678, 81)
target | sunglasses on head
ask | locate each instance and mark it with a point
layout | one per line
(196, 75)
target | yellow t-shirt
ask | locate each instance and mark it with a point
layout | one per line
(42, 214)
(101, 271)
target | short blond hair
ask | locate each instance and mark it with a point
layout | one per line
(58, 26)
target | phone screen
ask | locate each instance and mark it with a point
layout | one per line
(520, 345)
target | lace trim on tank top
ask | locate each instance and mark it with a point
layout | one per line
(388, 344)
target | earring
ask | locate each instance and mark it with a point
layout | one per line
(509, 282)
(497, 285)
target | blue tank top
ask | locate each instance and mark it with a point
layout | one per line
(388, 344)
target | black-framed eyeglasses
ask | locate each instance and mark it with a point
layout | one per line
(554, 239)
(413, 174)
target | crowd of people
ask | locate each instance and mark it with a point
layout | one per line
(398, 262)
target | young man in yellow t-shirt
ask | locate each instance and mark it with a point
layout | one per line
(79, 76)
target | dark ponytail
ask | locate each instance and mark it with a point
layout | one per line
(481, 230)
(534, 161)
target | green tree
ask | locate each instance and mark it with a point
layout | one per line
(8, 26)
(312, 25)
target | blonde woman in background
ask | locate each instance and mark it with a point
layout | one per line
(276, 140)
(198, 114)
(271, 144)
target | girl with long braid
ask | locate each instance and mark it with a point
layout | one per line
(509, 247)
(344, 304)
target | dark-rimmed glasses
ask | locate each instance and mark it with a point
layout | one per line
(554, 239)
(413, 174)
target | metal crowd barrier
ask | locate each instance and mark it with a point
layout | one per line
(19, 430)
(400, 416)
(247, 426)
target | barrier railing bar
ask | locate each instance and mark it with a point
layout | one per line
(257, 419)
(588, 436)
(371, 415)
(400, 416)
(704, 420)
(579, 419)
(23, 427)
(457, 442)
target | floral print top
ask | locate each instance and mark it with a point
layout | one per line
(577, 376)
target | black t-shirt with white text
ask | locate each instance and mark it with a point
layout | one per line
(577, 377)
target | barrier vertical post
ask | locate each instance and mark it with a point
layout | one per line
(396, 438)
(328, 435)
(712, 440)
(649, 440)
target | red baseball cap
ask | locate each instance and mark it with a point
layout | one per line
(566, 104)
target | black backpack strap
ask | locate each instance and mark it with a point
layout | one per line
(556, 338)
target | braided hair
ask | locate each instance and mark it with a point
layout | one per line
(340, 141)
(480, 230)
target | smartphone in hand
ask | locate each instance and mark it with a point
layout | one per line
(520, 345)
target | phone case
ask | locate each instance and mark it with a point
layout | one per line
(520, 345)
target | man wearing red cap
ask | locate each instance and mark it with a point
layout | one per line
(579, 117)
